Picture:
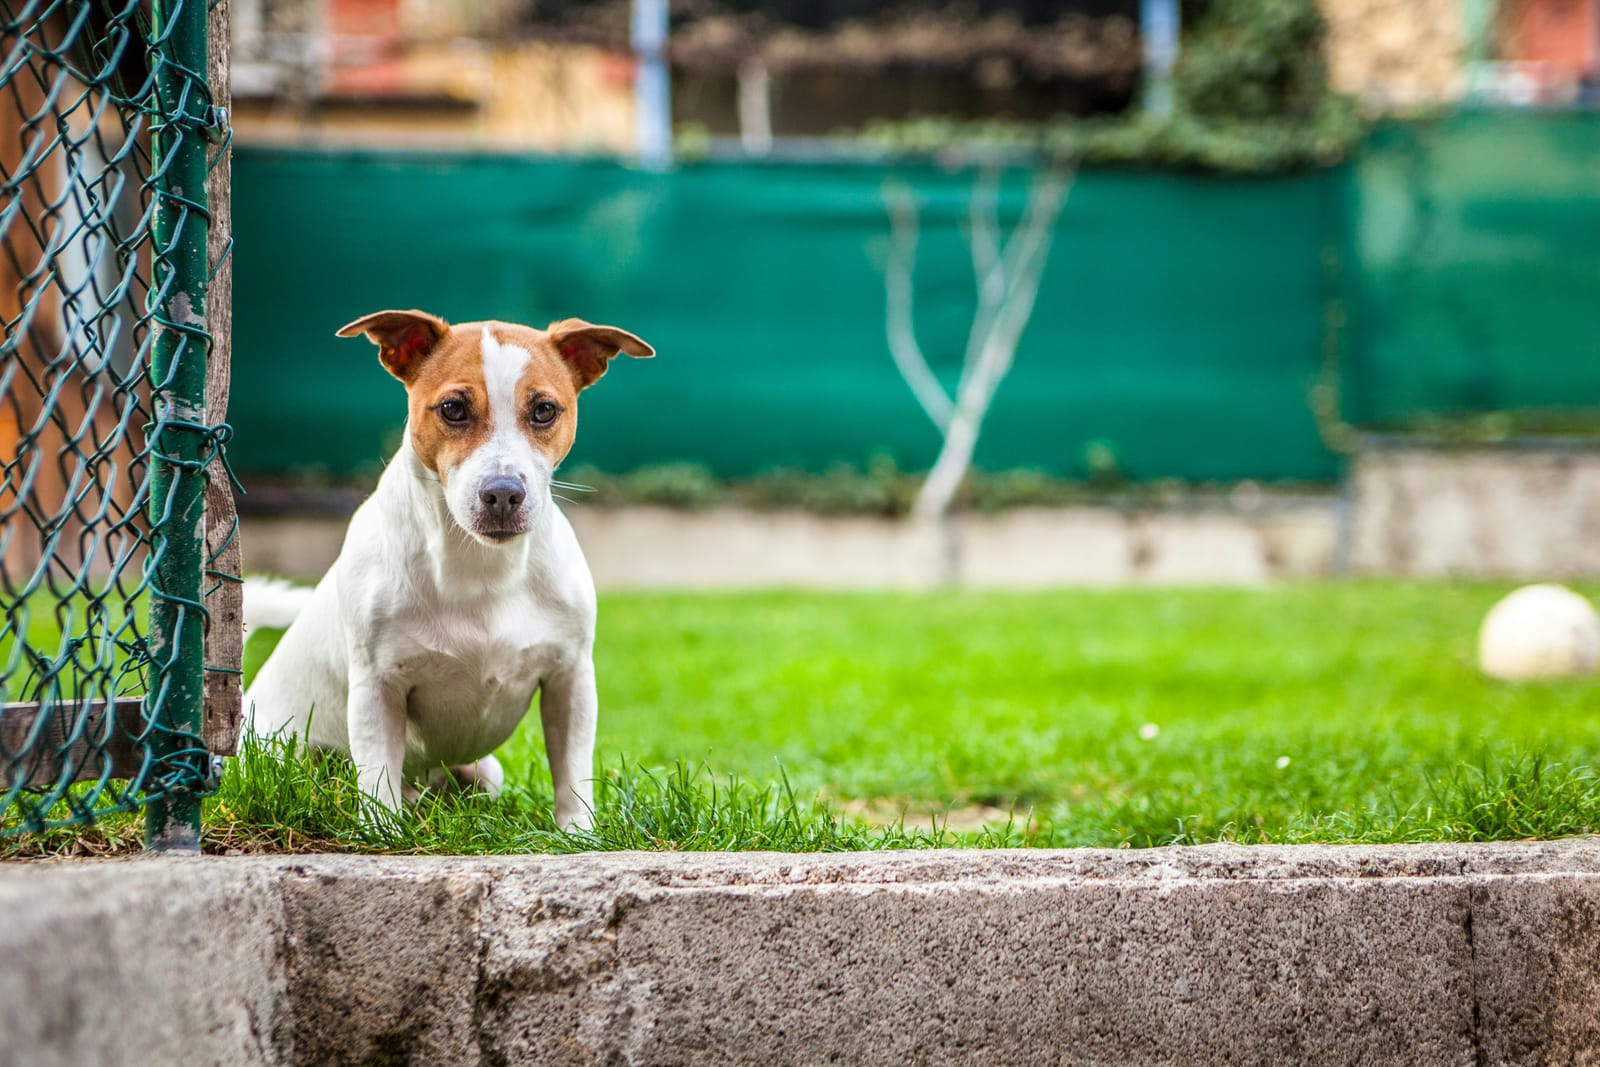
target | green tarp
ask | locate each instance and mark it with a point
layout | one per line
(1183, 322)
(1180, 322)
(1473, 266)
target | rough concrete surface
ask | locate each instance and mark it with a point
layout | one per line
(1509, 511)
(1023, 548)
(1414, 955)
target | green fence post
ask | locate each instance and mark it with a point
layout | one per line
(178, 398)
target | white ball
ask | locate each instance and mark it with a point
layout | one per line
(1540, 631)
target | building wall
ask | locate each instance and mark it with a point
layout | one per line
(1557, 40)
(1397, 53)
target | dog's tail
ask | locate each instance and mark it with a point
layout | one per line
(273, 602)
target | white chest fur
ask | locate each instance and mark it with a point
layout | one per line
(471, 672)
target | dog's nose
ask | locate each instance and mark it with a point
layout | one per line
(501, 497)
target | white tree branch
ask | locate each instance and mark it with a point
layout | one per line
(988, 267)
(1032, 241)
(983, 234)
(992, 346)
(899, 320)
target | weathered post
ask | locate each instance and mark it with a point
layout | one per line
(179, 437)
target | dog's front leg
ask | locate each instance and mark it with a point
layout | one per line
(568, 707)
(378, 740)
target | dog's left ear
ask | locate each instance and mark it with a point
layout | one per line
(404, 338)
(588, 348)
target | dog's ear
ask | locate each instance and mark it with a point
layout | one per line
(588, 348)
(404, 338)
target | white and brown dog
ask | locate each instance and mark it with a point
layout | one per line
(460, 590)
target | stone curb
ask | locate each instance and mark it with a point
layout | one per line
(1415, 955)
(637, 548)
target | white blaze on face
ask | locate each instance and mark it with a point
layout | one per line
(506, 451)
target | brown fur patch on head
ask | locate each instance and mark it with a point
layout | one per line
(450, 410)
(543, 396)
(448, 383)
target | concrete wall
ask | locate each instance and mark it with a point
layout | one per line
(1406, 955)
(1517, 511)
(644, 547)
(1514, 511)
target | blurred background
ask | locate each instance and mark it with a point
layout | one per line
(1000, 299)
(1158, 291)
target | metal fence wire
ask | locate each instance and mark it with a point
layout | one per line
(108, 132)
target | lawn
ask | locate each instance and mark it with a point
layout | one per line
(1331, 712)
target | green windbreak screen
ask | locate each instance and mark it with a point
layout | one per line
(1179, 320)
(1474, 266)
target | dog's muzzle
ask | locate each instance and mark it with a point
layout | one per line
(500, 511)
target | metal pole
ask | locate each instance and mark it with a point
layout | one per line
(652, 91)
(177, 446)
(1159, 27)
(755, 107)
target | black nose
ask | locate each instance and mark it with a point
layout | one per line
(501, 498)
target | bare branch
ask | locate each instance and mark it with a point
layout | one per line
(1031, 240)
(983, 237)
(899, 321)
(992, 351)
(983, 234)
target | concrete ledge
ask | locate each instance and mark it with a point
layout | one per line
(1443, 510)
(1407, 955)
(1025, 548)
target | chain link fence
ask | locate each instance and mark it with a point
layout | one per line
(112, 387)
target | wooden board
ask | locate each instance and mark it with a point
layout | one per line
(224, 651)
(77, 740)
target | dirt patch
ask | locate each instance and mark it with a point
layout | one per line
(970, 818)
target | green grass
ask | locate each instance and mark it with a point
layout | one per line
(33, 654)
(791, 721)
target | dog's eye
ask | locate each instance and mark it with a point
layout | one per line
(453, 411)
(545, 412)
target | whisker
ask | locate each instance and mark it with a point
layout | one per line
(574, 486)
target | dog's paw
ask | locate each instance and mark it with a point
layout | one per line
(486, 776)
(574, 818)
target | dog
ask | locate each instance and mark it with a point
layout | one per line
(460, 589)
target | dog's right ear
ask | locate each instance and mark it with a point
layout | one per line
(404, 338)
